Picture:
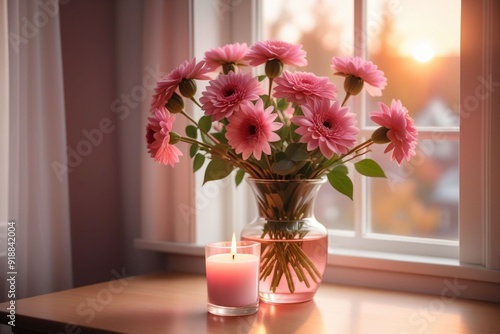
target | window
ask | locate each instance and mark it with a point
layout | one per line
(472, 247)
(415, 210)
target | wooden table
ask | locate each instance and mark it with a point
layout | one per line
(176, 303)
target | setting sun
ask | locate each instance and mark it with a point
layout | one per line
(423, 53)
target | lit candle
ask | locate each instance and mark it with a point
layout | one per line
(233, 274)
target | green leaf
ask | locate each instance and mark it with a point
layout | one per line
(283, 167)
(220, 137)
(198, 161)
(297, 152)
(369, 167)
(267, 101)
(332, 161)
(191, 131)
(341, 182)
(193, 150)
(279, 156)
(239, 177)
(294, 135)
(261, 77)
(288, 131)
(217, 169)
(282, 104)
(342, 169)
(219, 151)
(205, 123)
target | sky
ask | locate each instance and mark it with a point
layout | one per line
(431, 26)
(435, 22)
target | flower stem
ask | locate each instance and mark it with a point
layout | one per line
(194, 141)
(185, 114)
(196, 102)
(343, 158)
(360, 147)
(196, 123)
(280, 258)
(345, 99)
(269, 91)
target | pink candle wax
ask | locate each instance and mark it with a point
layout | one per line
(232, 281)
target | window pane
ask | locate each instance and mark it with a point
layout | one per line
(421, 60)
(334, 210)
(422, 65)
(325, 28)
(419, 198)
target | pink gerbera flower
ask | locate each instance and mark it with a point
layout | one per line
(373, 78)
(225, 94)
(228, 55)
(303, 87)
(330, 127)
(251, 129)
(167, 85)
(287, 53)
(158, 138)
(400, 129)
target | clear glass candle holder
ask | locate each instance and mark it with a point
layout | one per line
(232, 271)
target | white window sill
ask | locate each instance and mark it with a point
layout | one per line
(411, 264)
(170, 247)
(418, 274)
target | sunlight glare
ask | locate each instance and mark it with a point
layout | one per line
(423, 53)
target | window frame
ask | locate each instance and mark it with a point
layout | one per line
(478, 191)
(478, 265)
(362, 238)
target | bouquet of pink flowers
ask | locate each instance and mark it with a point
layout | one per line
(296, 129)
(279, 125)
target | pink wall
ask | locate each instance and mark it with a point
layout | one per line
(101, 241)
(87, 31)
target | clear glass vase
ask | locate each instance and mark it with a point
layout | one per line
(294, 245)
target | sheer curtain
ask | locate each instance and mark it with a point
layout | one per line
(37, 196)
(167, 210)
(4, 136)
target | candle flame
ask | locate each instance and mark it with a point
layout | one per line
(233, 247)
